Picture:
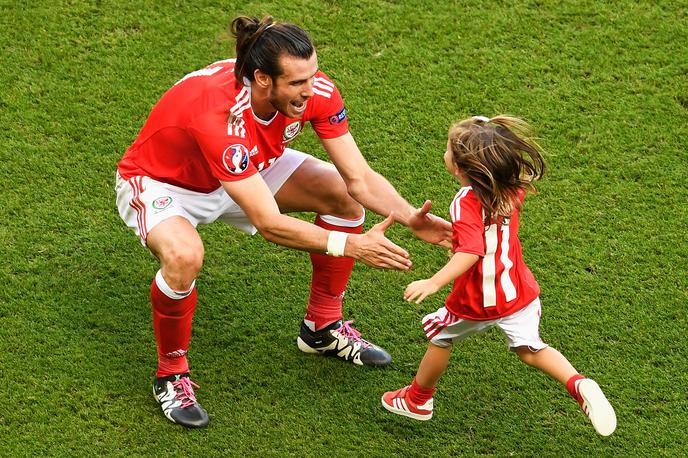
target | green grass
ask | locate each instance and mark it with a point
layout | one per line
(605, 85)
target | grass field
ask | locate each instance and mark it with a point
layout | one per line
(604, 83)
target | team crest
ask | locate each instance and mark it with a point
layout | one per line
(162, 203)
(235, 159)
(291, 131)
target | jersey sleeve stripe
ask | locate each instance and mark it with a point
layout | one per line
(243, 101)
(324, 82)
(224, 61)
(323, 87)
(455, 209)
(324, 94)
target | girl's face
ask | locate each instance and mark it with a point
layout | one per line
(453, 168)
(449, 161)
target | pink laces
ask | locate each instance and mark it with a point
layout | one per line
(184, 388)
(348, 331)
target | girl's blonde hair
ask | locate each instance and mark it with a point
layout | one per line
(499, 157)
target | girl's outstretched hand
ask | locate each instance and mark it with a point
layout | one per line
(419, 290)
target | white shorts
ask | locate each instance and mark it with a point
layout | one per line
(143, 202)
(443, 328)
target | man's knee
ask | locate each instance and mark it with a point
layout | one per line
(181, 262)
(340, 202)
(348, 208)
(185, 258)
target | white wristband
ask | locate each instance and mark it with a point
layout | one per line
(336, 243)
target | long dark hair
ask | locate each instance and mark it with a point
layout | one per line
(260, 43)
(499, 157)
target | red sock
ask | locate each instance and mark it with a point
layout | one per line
(571, 385)
(420, 395)
(172, 325)
(330, 275)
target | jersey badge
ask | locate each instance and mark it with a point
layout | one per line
(162, 203)
(291, 131)
(235, 159)
(339, 117)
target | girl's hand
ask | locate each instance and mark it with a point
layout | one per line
(419, 290)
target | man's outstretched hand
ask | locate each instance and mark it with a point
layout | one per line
(375, 250)
(429, 227)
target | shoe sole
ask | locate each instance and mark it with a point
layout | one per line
(415, 416)
(600, 411)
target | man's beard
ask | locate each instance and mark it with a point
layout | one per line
(282, 107)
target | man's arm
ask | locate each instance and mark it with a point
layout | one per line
(371, 248)
(375, 193)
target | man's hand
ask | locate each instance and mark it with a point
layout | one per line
(375, 250)
(429, 227)
(419, 290)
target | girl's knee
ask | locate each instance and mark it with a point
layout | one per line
(526, 354)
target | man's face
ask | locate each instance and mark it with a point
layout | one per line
(291, 90)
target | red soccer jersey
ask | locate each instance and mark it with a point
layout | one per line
(500, 283)
(203, 130)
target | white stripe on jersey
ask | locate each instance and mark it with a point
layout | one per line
(202, 72)
(455, 209)
(243, 102)
(489, 267)
(505, 279)
(324, 94)
(323, 82)
(236, 128)
(225, 61)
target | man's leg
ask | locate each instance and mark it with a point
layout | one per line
(317, 186)
(179, 248)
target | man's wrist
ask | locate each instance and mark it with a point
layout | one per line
(405, 217)
(336, 243)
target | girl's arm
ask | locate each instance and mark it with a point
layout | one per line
(457, 265)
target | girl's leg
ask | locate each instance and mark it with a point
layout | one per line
(432, 366)
(415, 400)
(549, 361)
(586, 391)
(554, 364)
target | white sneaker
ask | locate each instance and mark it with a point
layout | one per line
(596, 406)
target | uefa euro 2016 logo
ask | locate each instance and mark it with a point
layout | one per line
(235, 159)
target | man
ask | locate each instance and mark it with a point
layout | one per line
(215, 147)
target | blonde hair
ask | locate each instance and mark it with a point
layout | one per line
(499, 157)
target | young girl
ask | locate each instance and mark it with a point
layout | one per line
(496, 162)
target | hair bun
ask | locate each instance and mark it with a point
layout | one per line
(243, 25)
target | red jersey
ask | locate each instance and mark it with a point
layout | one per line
(203, 130)
(500, 283)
